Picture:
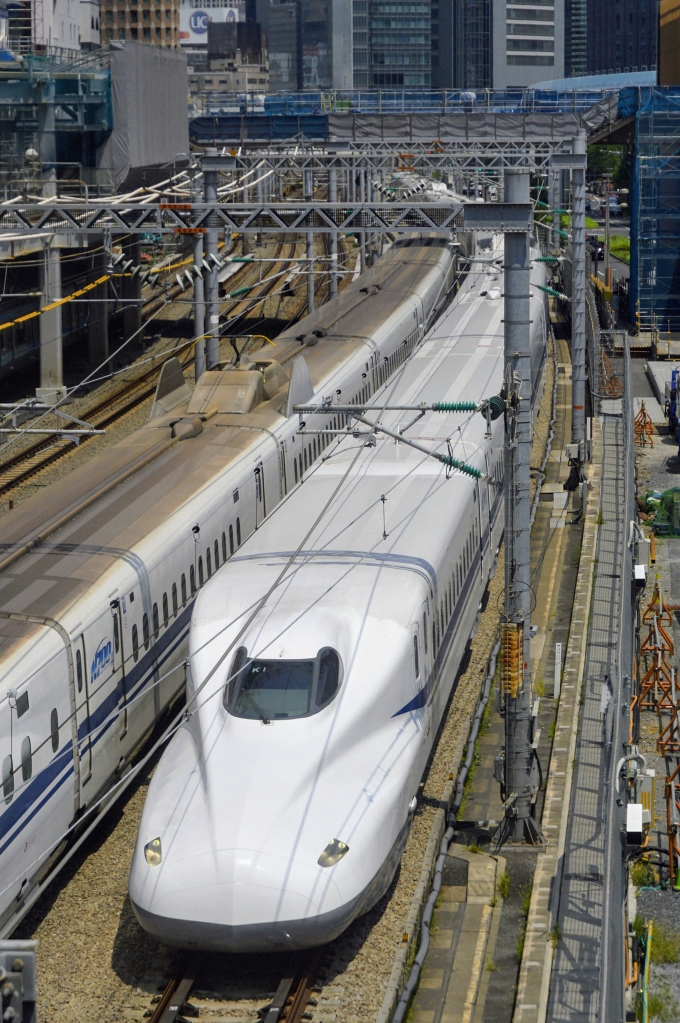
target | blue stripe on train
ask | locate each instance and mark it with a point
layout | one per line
(103, 718)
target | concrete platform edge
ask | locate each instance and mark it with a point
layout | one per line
(537, 958)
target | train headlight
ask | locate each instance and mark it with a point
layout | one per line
(153, 852)
(333, 853)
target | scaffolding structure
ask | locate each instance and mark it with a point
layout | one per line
(655, 212)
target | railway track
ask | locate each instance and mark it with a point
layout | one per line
(290, 1003)
(107, 411)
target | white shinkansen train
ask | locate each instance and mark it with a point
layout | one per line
(99, 572)
(322, 659)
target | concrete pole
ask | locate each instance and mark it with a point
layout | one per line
(578, 294)
(309, 196)
(212, 308)
(51, 368)
(518, 752)
(98, 313)
(131, 290)
(554, 238)
(199, 311)
(362, 234)
(333, 197)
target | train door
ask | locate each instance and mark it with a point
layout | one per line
(283, 483)
(427, 674)
(484, 520)
(82, 710)
(260, 499)
(118, 677)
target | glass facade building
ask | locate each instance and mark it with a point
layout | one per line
(392, 44)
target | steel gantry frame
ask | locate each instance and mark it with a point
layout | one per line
(308, 216)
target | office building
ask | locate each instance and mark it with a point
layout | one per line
(285, 50)
(669, 42)
(148, 21)
(527, 42)
(310, 44)
(622, 35)
(575, 37)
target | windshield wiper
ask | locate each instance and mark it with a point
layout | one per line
(261, 714)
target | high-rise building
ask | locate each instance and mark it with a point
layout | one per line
(400, 50)
(669, 42)
(528, 42)
(310, 44)
(622, 35)
(575, 37)
(149, 21)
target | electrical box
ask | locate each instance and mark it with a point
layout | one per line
(499, 769)
(640, 576)
(642, 556)
(634, 829)
(572, 450)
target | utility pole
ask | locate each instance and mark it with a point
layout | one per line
(578, 294)
(212, 308)
(333, 197)
(518, 825)
(308, 174)
(199, 309)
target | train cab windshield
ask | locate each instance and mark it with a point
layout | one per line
(277, 690)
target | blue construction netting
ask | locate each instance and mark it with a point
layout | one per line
(655, 207)
(304, 104)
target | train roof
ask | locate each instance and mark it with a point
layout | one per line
(363, 492)
(461, 359)
(156, 479)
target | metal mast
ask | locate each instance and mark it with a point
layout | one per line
(516, 677)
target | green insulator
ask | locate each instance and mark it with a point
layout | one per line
(239, 291)
(454, 406)
(546, 259)
(469, 470)
(496, 407)
(241, 259)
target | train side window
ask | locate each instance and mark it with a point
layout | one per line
(304, 452)
(295, 467)
(416, 665)
(8, 778)
(135, 643)
(300, 460)
(156, 626)
(425, 630)
(116, 634)
(174, 600)
(314, 449)
(200, 571)
(54, 729)
(231, 540)
(26, 758)
(166, 614)
(22, 704)
(434, 636)
(208, 562)
(79, 670)
(192, 580)
(238, 532)
(145, 630)
(224, 546)
(184, 589)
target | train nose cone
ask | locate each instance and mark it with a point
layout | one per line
(237, 901)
